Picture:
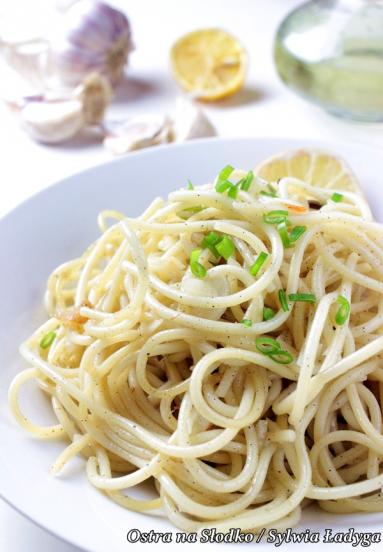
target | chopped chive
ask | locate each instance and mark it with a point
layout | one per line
(195, 266)
(268, 313)
(246, 181)
(225, 172)
(283, 300)
(271, 189)
(210, 241)
(233, 190)
(260, 260)
(283, 233)
(275, 217)
(267, 345)
(222, 183)
(225, 247)
(337, 197)
(270, 347)
(190, 185)
(222, 186)
(296, 233)
(272, 192)
(282, 357)
(343, 311)
(246, 322)
(47, 340)
(304, 297)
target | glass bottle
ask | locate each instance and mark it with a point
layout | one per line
(331, 52)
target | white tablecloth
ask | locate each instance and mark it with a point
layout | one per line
(264, 107)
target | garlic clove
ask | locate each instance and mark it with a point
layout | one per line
(213, 285)
(52, 122)
(136, 133)
(189, 122)
(95, 95)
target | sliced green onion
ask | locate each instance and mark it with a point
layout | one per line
(225, 172)
(190, 185)
(246, 181)
(275, 217)
(296, 233)
(305, 297)
(195, 266)
(271, 348)
(222, 186)
(47, 340)
(211, 239)
(284, 234)
(210, 242)
(343, 311)
(233, 190)
(283, 300)
(222, 183)
(337, 197)
(247, 323)
(272, 191)
(260, 260)
(225, 247)
(267, 345)
(281, 357)
(268, 313)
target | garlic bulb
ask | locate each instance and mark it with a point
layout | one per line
(96, 38)
(189, 122)
(52, 122)
(136, 133)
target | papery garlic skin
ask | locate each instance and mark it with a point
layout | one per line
(52, 122)
(189, 122)
(136, 133)
(94, 37)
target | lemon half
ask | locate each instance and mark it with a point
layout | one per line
(313, 166)
(209, 62)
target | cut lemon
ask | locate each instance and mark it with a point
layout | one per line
(209, 62)
(314, 167)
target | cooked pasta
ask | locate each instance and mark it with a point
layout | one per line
(225, 346)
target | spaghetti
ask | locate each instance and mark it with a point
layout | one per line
(225, 345)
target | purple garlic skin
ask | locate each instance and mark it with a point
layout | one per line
(95, 38)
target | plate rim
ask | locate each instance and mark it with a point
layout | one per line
(326, 146)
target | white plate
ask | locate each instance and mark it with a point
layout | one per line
(58, 224)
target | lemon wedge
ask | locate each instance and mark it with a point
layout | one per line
(313, 166)
(209, 62)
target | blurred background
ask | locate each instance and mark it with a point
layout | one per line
(140, 109)
(263, 106)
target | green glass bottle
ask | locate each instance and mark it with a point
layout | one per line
(331, 52)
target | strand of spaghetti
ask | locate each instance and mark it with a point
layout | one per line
(320, 380)
(70, 451)
(215, 327)
(152, 440)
